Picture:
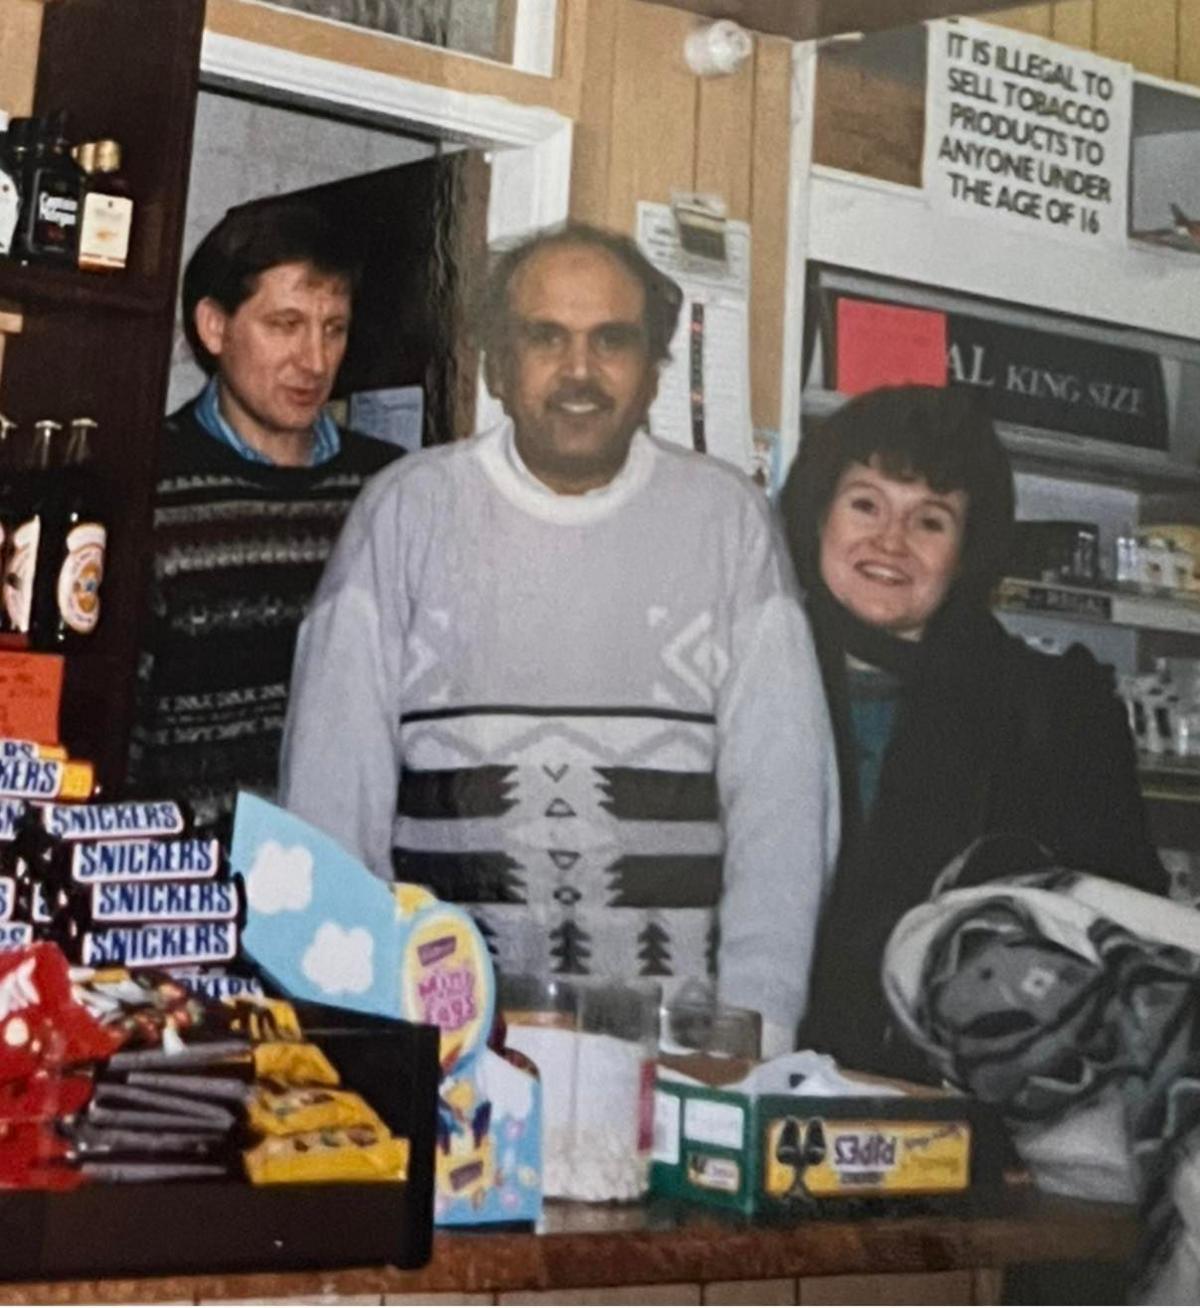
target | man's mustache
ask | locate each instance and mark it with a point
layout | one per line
(582, 393)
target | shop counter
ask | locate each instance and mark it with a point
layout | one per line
(586, 1254)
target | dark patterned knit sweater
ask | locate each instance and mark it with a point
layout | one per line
(238, 550)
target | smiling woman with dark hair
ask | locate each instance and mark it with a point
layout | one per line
(898, 512)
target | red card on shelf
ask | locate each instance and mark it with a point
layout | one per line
(888, 345)
(30, 694)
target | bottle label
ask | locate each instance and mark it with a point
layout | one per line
(104, 231)
(10, 211)
(60, 210)
(80, 576)
(18, 578)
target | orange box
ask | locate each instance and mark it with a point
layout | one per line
(30, 696)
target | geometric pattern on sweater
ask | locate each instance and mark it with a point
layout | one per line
(545, 662)
(238, 550)
(584, 840)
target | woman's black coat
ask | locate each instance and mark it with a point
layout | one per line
(990, 736)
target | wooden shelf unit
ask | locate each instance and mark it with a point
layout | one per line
(100, 345)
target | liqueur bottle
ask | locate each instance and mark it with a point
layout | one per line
(10, 189)
(50, 214)
(106, 210)
(65, 609)
(19, 143)
(34, 498)
(8, 485)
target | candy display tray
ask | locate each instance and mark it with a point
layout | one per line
(232, 1226)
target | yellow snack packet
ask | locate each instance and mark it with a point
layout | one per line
(290, 1063)
(300, 1109)
(264, 1019)
(353, 1154)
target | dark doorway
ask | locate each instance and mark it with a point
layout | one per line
(420, 230)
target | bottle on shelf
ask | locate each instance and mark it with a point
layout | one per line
(10, 190)
(34, 497)
(21, 134)
(50, 213)
(106, 212)
(67, 609)
(8, 486)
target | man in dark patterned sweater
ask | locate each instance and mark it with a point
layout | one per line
(255, 480)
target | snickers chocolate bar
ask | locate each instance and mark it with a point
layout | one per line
(130, 820)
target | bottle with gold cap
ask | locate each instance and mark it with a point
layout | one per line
(33, 502)
(10, 188)
(106, 212)
(66, 596)
(49, 229)
(8, 486)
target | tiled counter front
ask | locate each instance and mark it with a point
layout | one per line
(648, 1255)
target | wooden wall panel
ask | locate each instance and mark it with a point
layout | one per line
(591, 155)
(1072, 22)
(1023, 18)
(724, 124)
(866, 122)
(1143, 33)
(1188, 60)
(20, 31)
(653, 147)
(769, 224)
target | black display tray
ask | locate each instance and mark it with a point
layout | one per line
(232, 1226)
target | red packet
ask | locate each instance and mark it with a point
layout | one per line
(888, 345)
(41, 1024)
(33, 1156)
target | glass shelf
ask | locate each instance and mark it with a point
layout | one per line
(1117, 608)
(1170, 778)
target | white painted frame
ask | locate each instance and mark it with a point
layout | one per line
(535, 35)
(529, 147)
(800, 142)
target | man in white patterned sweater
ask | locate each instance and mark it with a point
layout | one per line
(558, 673)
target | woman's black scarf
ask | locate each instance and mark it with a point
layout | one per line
(933, 797)
(945, 678)
(836, 627)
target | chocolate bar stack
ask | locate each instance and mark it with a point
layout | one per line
(116, 885)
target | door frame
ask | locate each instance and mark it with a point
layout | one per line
(529, 148)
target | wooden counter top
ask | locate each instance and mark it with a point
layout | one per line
(584, 1246)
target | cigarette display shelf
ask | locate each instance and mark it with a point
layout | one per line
(1165, 611)
(1057, 454)
(1169, 778)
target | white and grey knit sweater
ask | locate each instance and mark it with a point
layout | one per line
(597, 720)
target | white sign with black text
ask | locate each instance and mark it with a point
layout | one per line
(1027, 132)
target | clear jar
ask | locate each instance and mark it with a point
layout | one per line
(595, 1044)
(711, 1028)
